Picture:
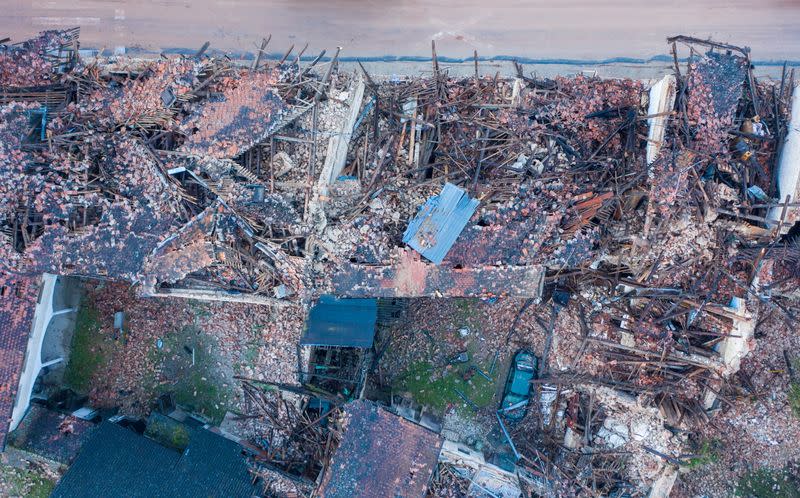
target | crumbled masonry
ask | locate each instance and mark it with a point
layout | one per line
(654, 290)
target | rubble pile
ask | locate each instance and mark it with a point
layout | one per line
(260, 340)
(131, 366)
(758, 427)
(37, 62)
(275, 333)
(136, 153)
(628, 232)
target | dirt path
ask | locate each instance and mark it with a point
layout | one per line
(573, 29)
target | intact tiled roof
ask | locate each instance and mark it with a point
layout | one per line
(118, 462)
(17, 305)
(380, 454)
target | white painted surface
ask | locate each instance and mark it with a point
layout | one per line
(219, 296)
(33, 355)
(662, 100)
(663, 485)
(789, 166)
(740, 341)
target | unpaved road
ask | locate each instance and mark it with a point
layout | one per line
(572, 29)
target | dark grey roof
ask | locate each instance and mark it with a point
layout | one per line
(119, 463)
(341, 322)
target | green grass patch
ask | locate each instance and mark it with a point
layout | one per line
(248, 357)
(86, 353)
(25, 483)
(707, 453)
(199, 394)
(250, 354)
(41, 487)
(168, 432)
(765, 483)
(199, 387)
(430, 388)
(794, 398)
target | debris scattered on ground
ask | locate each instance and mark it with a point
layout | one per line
(655, 282)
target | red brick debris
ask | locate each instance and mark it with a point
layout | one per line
(194, 175)
(17, 304)
(380, 454)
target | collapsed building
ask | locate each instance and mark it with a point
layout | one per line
(664, 210)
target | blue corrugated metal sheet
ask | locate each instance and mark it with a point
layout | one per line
(341, 322)
(439, 222)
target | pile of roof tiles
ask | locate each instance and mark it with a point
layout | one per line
(38, 61)
(90, 178)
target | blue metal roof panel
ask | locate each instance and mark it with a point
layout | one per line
(439, 222)
(341, 322)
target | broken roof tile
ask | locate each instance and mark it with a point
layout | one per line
(17, 304)
(244, 115)
(380, 454)
(714, 86)
(412, 277)
(37, 61)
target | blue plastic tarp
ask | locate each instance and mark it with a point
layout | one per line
(439, 222)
